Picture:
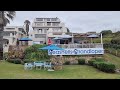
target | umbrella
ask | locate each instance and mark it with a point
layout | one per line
(25, 39)
(57, 38)
(65, 36)
(51, 47)
(93, 36)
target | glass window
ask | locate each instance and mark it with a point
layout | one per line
(55, 24)
(40, 35)
(48, 19)
(41, 42)
(39, 19)
(48, 24)
(54, 19)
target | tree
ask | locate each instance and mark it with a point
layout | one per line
(68, 31)
(27, 23)
(106, 32)
(5, 17)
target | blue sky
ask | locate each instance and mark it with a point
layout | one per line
(76, 21)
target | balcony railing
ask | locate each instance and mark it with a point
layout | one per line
(39, 25)
(95, 45)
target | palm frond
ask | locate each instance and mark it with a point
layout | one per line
(27, 22)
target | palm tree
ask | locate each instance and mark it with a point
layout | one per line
(27, 23)
(5, 17)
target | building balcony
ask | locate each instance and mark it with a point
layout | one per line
(47, 20)
(47, 26)
(95, 45)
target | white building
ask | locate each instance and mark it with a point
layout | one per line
(12, 33)
(44, 28)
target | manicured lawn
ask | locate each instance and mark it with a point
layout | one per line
(16, 71)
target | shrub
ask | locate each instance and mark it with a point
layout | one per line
(11, 60)
(17, 61)
(104, 66)
(67, 63)
(34, 53)
(107, 67)
(27, 61)
(91, 62)
(81, 61)
(95, 64)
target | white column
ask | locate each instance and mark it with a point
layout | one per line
(72, 39)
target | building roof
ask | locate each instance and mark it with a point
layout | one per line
(93, 36)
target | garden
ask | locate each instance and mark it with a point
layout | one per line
(81, 67)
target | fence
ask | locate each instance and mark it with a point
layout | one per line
(91, 45)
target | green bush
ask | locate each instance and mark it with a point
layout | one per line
(11, 61)
(67, 63)
(34, 53)
(27, 61)
(17, 61)
(95, 64)
(81, 61)
(107, 67)
(91, 62)
(104, 66)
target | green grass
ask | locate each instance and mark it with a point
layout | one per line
(16, 71)
(113, 59)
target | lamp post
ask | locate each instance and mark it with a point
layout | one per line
(46, 36)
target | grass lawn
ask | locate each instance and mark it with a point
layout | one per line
(16, 71)
(113, 59)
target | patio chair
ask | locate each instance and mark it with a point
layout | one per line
(28, 66)
(38, 64)
(47, 65)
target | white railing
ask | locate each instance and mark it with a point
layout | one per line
(95, 45)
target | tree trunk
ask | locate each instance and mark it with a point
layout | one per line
(1, 34)
(1, 44)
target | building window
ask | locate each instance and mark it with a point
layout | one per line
(39, 24)
(40, 35)
(48, 19)
(48, 24)
(39, 19)
(41, 42)
(56, 30)
(54, 19)
(55, 24)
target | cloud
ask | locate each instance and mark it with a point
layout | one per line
(76, 21)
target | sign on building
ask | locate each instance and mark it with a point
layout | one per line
(77, 51)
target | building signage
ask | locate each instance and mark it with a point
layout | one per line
(77, 51)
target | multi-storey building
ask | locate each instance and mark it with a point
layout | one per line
(44, 28)
(12, 33)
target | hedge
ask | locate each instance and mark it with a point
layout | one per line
(81, 61)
